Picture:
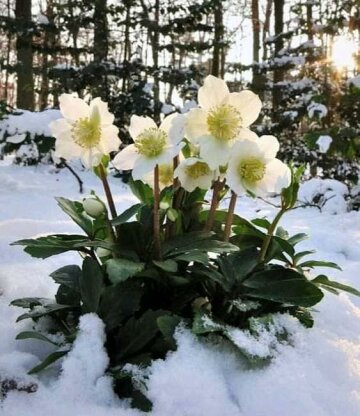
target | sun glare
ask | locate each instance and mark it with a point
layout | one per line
(343, 54)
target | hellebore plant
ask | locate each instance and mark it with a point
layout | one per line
(174, 259)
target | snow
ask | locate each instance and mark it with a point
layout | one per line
(324, 143)
(317, 110)
(317, 373)
(355, 81)
(42, 19)
(34, 123)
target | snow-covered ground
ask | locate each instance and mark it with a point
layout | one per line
(317, 375)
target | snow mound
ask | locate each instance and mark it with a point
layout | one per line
(328, 194)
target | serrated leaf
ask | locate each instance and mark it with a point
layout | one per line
(50, 359)
(121, 269)
(34, 335)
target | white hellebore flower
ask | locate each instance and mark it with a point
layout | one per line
(86, 131)
(222, 119)
(195, 173)
(166, 176)
(152, 145)
(253, 167)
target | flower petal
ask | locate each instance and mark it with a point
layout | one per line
(233, 180)
(247, 103)
(68, 149)
(213, 92)
(174, 126)
(60, 127)
(195, 124)
(142, 167)
(277, 177)
(246, 134)
(269, 146)
(139, 124)
(110, 141)
(214, 152)
(106, 118)
(244, 149)
(126, 158)
(91, 158)
(73, 108)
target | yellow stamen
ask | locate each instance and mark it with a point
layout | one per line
(251, 169)
(224, 122)
(166, 174)
(86, 132)
(197, 170)
(151, 142)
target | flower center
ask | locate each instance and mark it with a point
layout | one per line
(251, 169)
(151, 142)
(86, 132)
(224, 122)
(166, 174)
(197, 170)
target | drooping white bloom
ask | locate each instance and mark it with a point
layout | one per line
(86, 131)
(222, 118)
(93, 207)
(253, 167)
(195, 173)
(152, 145)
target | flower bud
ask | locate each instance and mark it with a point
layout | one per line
(164, 205)
(103, 252)
(93, 207)
(172, 214)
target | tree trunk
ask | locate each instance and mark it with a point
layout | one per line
(257, 80)
(101, 34)
(25, 80)
(218, 39)
(279, 45)
(266, 28)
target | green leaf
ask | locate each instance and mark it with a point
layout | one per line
(48, 309)
(120, 269)
(185, 242)
(137, 333)
(200, 271)
(262, 223)
(50, 245)
(317, 263)
(283, 286)
(91, 284)
(282, 233)
(298, 256)
(142, 191)
(236, 266)
(324, 282)
(35, 335)
(126, 215)
(169, 265)
(167, 325)
(67, 296)
(50, 359)
(28, 303)
(297, 238)
(119, 302)
(203, 324)
(68, 276)
(195, 256)
(75, 211)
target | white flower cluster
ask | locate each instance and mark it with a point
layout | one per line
(216, 134)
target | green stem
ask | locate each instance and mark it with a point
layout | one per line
(214, 204)
(157, 243)
(272, 228)
(230, 216)
(109, 197)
